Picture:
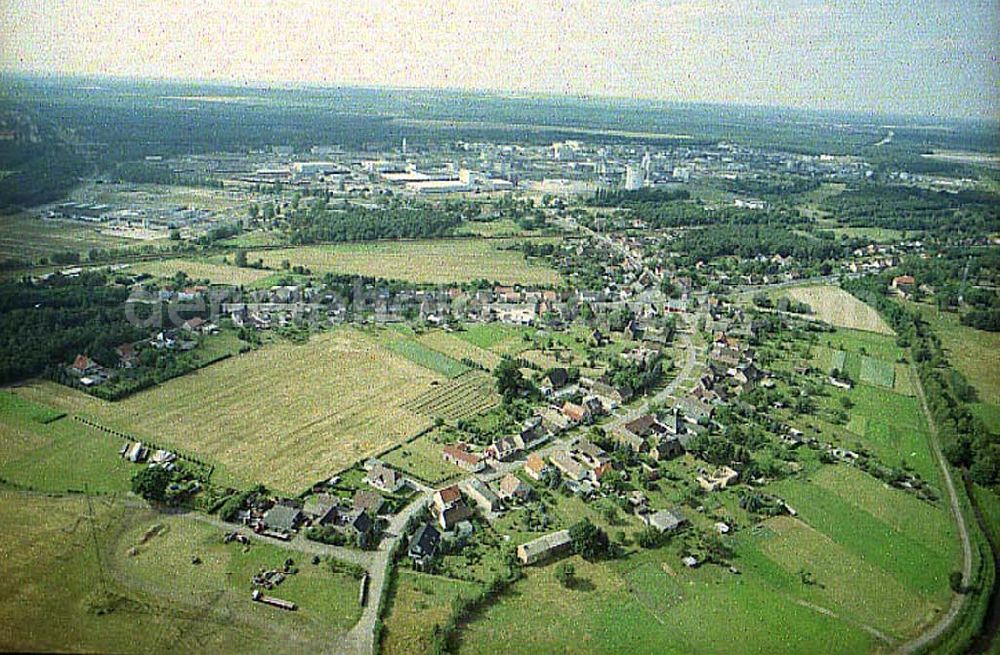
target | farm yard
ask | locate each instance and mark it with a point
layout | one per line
(439, 261)
(838, 307)
(286, 416)
(151, 597)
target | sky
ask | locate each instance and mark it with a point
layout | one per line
(935, 58)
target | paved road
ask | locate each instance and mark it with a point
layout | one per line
(360, 640)
(958, 600)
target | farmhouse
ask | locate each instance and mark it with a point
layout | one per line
(576, 413)
(589, 453)
(382, 477)
(553, 380)
(460, 455)
(477, 490)
(321, 509)
(535, 467)
(282, 518)
(447, 497)
(554, 421)
(667, 447)
(550, 545)
(193, 324)
(512, 487)
(368, 501)
(569, 467)
(664, 520)
(505, 448)
(424, 546)
(452, 516)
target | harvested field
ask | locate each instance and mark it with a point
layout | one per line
(469, 394)
(838, 307)
(217, 273)
(438, 261)
(286, 415)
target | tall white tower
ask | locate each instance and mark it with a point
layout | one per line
(633, 178)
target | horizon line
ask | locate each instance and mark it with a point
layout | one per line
(263, 84)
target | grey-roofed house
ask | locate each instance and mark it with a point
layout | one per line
(282, 518)
(664, 520)
(544, 547)
(424, 545)
(368, 501)
(321, 508)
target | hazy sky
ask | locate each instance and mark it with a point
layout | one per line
(930, 57)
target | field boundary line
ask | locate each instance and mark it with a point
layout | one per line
(958, 601)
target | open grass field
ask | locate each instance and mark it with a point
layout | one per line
(505, 227)
(28, 237)
(44, 453)
(850, 585)
(465, 396)
(976, 353)
(55, 599)
(877, 372)
(286, 415)
(876, 234)
(838, 307)
(161, 565)
(458, 348)
(429, 358)
(198, 270)
(422, 458)
(636, 611)
(420, 602)
(495, 337)
(438, 261)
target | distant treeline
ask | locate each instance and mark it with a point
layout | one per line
(967, 212)
(358, 224)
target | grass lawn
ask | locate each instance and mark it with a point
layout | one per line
(491, 336)
(458, 348)
(612, 612)
(877, 372)
(435, 261)
(422, 458)
(54, 599)
(976, 353)
(419, 603)
(863, 343)
(837, 307)
(427, 357)
(59, 455)
(286, 415)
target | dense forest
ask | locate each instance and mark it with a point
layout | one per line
(358, 224)
(909, 208)
(46, 324)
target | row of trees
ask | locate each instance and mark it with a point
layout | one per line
(966, 440)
